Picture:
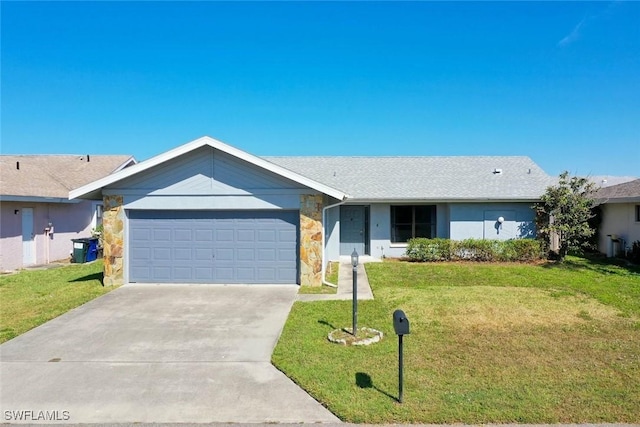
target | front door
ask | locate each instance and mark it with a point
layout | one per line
(353, 229)
(28, 242)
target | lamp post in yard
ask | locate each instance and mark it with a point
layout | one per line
(354, 264)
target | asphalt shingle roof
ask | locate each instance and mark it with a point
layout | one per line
(621, 191)
(425, 178)
(53, 175)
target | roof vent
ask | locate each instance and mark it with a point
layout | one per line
(18, 165)
(497, 171)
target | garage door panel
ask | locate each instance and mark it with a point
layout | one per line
(223, 254)
(203, 273)
(246, 254)
(141, 234)
(214, 246)
(162, 235)
(287, 255)
(266, 235)
(204, 235)
(286, 275)
(245, 235)
(224, 235)
(162, 254)
(246, 274)
(161, 274)
(266, 254)
(182, 254)
(141, 253)
(268, 274)
(203, 254)
(223, 274)
(182, 274)
(182, 235)
(140, 271)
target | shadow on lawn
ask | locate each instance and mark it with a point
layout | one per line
(596, 264)
(324, 322)
(364, 381)
(90, 277)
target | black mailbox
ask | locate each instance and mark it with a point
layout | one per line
(400, 322)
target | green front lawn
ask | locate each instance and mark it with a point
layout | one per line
(31, 298)
(489, 343)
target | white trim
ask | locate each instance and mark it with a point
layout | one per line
(190, 146)
(427, 201)
(130, 161)
(398, 245)
(36, 199)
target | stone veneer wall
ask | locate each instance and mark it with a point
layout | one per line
(113, 240)
(311, 240)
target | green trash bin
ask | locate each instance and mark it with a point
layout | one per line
(80, 248)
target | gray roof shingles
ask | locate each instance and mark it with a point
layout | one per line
(627, 190)
(425, 178)
(52, 176)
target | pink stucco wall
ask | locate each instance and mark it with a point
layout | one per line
(70, 221)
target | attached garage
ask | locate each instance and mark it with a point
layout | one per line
(250, 247)
(206, 212)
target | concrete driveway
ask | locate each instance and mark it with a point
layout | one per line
(158, 353)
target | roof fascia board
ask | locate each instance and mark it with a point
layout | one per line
(130, 161)
(634, 199)
(195, 144)
(36, 199)
(373, 201)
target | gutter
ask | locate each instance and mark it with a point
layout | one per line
(324, 224)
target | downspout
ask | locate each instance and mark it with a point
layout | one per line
(324, 243)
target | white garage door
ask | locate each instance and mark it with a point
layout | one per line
(213, 246)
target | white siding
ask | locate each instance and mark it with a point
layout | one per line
(618, 218)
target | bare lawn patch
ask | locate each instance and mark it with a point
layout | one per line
(476, 307)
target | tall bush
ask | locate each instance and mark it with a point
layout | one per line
(565, 211)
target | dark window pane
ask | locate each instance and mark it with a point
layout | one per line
(401, 233)
(424, 213)
(402, 214)
(412, 221)
(424, 230)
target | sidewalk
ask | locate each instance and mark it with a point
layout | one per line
(345, 283)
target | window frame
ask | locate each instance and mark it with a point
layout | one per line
(637, 213)
(414, 225)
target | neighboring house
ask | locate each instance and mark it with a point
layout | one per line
(208, 212)
(620, 225)
(37, 219)
(603, 181)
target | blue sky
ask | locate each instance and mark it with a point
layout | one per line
(559, 82)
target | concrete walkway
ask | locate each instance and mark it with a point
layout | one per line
(345, 283)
